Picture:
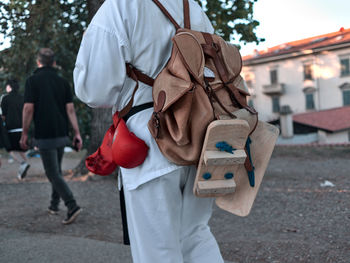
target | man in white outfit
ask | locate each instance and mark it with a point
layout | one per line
(167, 223)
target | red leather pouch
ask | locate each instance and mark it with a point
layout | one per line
(101, 162)
(119, 147)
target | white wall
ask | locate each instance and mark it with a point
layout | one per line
(339, 137)
(326, 72)
(329, 79)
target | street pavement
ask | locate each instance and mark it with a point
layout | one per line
(29, 235)
(20, 246)
(301, 215)
(24, 247)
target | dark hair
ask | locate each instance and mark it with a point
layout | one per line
(46, 56)
(13, 84)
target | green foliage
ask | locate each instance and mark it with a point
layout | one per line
(31, 25)
(232, 19)
(59, 24)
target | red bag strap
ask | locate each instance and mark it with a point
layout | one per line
(186, 8)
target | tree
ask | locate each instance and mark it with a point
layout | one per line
(232, 19)
(30, 25)
(59, 24)
(93, 6)
(100, 118)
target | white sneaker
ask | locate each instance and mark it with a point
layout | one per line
(22, 171)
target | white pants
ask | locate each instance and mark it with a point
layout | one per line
(168, 224)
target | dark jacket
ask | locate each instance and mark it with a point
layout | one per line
(49, 93)
(12, 107)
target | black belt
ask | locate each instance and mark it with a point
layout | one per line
(133, 111)
(137, 109)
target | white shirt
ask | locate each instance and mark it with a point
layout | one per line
(137, 32)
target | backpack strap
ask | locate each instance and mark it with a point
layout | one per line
(139, 75)
(187, 20)
(136, 74)
(212, 50)
(186, 8)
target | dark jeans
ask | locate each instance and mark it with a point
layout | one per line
(52, 160)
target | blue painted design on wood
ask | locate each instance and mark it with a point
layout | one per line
(228, 175)
(251, 174)
(207, 176)
(224, 147)
(251, 177)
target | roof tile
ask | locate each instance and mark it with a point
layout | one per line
(331, 120)
(334, 38)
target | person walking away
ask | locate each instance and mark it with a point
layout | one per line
(48, 100)
(12, 107)
(166, 222)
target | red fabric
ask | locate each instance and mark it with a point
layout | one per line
(127, 150)
(101, 162)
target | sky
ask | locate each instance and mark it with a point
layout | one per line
(283, 21)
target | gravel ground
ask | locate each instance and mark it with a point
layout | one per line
(294, 218)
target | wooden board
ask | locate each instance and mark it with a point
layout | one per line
(243, 114)
(223, 186)
(224, 158)
(241, 201)
(218, 164)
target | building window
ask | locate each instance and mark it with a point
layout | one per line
(344, 67)
(310, 103)
(308, 72)
(273, 76)
(346, 97)
(275, 104)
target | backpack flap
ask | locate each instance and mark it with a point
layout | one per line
(191, 54)
(230, 56)
(175, 79)
(169, 87)
(177, 98)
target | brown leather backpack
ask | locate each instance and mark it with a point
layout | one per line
(200, 83)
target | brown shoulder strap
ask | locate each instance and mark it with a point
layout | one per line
(137, 76)
(166, 13)
(186, 7)
(128, 106)
(140, 76)
(187, 20)
(212, 50)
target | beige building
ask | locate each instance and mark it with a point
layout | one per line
(308, 75)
